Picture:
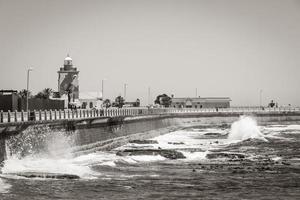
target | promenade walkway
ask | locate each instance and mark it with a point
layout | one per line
(46, 115)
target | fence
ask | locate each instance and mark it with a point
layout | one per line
(8, 117)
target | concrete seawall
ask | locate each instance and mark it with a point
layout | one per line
(103, 133)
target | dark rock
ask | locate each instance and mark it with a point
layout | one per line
(212, 134)
(46, 175)
(143, 141)
(175, 143)
(170, 154)
(285, 163)
(225, 155)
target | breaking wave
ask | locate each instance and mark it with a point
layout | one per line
(40, 149)
(245, 128)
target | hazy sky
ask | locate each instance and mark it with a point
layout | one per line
(230, 48)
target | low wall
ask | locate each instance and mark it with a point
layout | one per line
(103, 133)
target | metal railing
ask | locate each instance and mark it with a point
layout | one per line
(46, 115)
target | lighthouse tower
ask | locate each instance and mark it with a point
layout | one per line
(68, 80)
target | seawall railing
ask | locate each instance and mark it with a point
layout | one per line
(46, 115)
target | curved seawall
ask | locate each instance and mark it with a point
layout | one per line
(104, 133)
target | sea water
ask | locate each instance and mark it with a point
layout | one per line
(239, 161)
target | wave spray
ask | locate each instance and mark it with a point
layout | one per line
(245, 128)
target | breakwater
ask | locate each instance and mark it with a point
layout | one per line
(104, 130)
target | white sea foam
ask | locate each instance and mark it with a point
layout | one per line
(245, 128)
(95, 158)
(46, 165)
(278, 131)
(195, 156)
(146, 158)
(276, 158)
(78, 166)
(184, 139)
(283, 127)
(111, 159)
(4, 186)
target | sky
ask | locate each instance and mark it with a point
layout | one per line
(232, 48)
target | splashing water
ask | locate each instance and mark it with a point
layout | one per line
(245, 128)
(40, 141)
(40, 149)
(4, 187)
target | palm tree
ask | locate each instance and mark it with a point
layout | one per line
(48, 92)
(119, 101)
(23, 93)
(44, 94)
(106, 103)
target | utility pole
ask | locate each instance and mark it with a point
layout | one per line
(125, 85)
(27, 94)
(260, 97)
(149, 96)
(102, 89)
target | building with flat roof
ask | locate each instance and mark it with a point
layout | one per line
(198, 102)
(9, 100)
(89, 100)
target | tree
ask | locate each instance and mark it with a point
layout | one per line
(163, 100)
(23, 94)
(106, 103)
(136, 103)
(119, 101)
(271, 104)
(44, 94)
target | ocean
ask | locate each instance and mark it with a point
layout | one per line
(242, 160)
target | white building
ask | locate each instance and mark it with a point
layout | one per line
(89, 100)
(206, 102)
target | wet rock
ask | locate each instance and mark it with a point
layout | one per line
(225, 155)
(143, 141)
(212, 134)
(285, 163)
(170, 154)
(46, 175)
(175, 143)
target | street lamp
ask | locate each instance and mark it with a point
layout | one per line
(260, 98)
(102, 90)
(125, 85)
(149, 92)
(27, 93)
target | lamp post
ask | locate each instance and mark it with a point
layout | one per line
(149, 91)
(125, 85)
(260, 98)
(27, 94)
(102, 90)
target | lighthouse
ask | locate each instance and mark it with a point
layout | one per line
(68, 80)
